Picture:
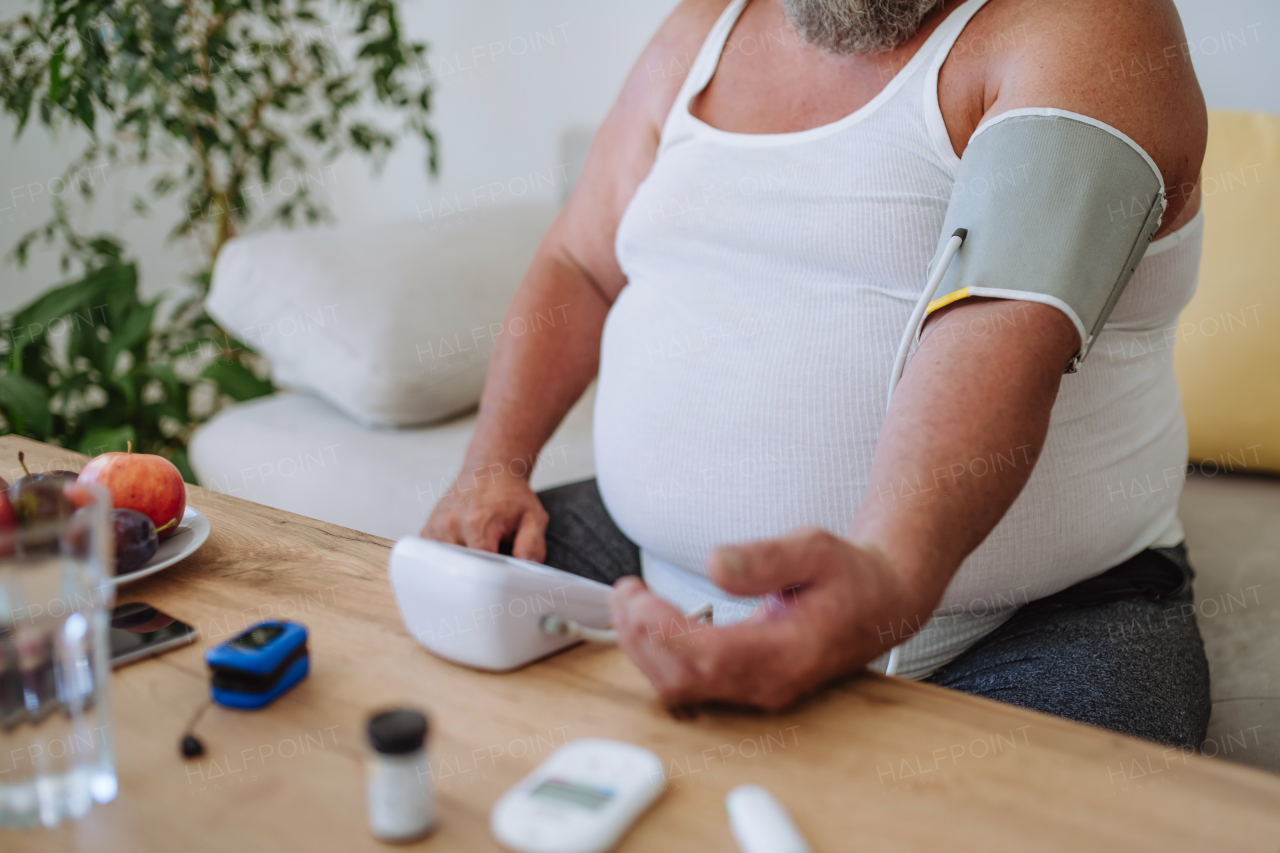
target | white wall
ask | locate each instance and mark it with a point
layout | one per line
(1235, 46)
(513, 74)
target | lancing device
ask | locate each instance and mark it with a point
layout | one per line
(760, 824)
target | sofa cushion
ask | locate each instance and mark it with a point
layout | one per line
(1227, 354)
(1234, 544)
(295, 452)
(391, 323)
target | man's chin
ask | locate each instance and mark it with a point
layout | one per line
(850, 27)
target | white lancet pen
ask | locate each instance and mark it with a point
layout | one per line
(760, 824)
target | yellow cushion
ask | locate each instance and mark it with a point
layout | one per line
(1227, 351)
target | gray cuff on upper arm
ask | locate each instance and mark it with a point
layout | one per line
(1059, 207)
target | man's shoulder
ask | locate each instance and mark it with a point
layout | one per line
(1123, 62)
(662, 68)
(1087, 40)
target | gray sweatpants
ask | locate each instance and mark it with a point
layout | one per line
(1120, 651)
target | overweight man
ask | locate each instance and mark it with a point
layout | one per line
(747, 261)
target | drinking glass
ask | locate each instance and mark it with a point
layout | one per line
(56, 594)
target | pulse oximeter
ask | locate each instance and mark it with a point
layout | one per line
(252, 670)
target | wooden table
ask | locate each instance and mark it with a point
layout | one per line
(869, 764)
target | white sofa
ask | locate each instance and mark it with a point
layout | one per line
(375, 331)
(297, 452)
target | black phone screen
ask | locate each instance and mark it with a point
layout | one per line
(139, 631)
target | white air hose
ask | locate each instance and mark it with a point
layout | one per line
(559, 626)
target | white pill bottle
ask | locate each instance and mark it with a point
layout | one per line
(398, 779)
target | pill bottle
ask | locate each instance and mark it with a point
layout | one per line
(398, 781)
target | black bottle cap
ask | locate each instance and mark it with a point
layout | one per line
(397, 732)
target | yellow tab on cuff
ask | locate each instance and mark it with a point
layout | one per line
(953, 296)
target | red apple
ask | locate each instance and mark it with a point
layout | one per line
(8, 518)
(80, 496)
(8, 524)
(143, 482)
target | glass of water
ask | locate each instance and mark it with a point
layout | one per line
(56, 594)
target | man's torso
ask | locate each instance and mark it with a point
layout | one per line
(744, 365)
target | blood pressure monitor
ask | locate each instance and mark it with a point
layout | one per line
(582, 799)
(484, 610)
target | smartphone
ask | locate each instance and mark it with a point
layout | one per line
(139, 631)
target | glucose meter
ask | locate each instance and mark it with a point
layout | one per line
(255, 668)
(582, 799)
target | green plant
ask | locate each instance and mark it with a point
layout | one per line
(224, 100)
(92, 373)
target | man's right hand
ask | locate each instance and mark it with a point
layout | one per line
(503, 509)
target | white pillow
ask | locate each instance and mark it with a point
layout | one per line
(392, 323)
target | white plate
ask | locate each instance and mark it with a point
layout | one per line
(192, 531)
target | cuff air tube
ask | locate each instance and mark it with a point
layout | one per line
(1059, 208)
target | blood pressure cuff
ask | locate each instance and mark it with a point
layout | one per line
(1060, 209)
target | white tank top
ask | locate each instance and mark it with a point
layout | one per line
(744, 366)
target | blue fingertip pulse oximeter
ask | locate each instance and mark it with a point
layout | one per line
(251, 670)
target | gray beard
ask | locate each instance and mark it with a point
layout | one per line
(857, 26)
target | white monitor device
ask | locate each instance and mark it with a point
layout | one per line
(481, 609)
(582, 799)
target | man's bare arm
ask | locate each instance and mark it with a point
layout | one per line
(980, 386)
(535, 378)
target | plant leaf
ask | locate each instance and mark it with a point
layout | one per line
(236, 380)
(107, 440)
(183, 464)
(79, 298)
(26, 406)
(135, 329)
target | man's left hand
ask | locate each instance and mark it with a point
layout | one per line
(830, 608)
